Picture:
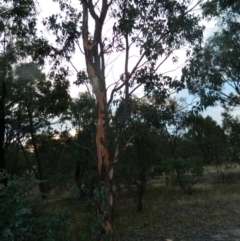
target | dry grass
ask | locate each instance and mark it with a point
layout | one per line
(212, 203)
(168, 212)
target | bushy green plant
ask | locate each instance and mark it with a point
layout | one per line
(137, 167)
(184, 172)
(23, 217)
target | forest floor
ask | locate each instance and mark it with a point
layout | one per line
(211, 215)
(211, 212)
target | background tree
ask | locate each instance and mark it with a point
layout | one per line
(231, 128)
(172, 117)
(209, 136)
(214, 8)
(17, 30)
(57, 159)
(83, 118)
(37, 102)
(209, 74)
(142, 149)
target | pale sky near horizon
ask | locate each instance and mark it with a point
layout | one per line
(48, 7)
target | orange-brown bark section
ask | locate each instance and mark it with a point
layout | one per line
(105, 165)
(105, 170)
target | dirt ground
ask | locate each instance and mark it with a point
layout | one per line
(201, 235)
(211, 213)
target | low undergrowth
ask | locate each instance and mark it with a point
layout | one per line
(166, 209)
(168, 212)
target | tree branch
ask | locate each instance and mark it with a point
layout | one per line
(92, 11)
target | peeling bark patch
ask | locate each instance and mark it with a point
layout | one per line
(94, 80)
(110, 174)
(111, 199)
(105, 169)
(108, 227)
(102, 152)
(103, 142)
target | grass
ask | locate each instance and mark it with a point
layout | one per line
(167, 209)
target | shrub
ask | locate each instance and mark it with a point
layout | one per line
(184, 172)
(23, 217)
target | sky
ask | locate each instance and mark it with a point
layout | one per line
(48, 7)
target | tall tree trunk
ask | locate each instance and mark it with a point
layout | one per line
(2, 133)
(80, 169)
(105, 168)
(42, 188)
(94, 56)
(104, 162)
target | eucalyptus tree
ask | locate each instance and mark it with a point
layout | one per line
(213, 76)
(37, 103)
(172, 117)
(208, 136)
(83, 119)
(17, 29)
(215, 8)
(213, 70)
(55, 154)
(142, 148)
(231, 127)
(151, 31)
